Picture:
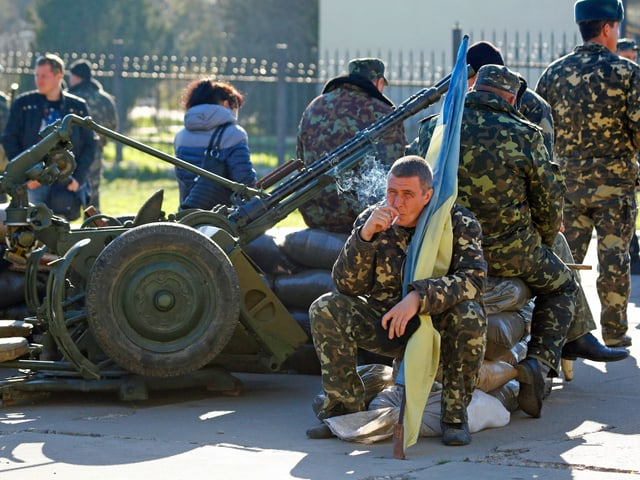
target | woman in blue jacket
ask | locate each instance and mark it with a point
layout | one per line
(210, 124)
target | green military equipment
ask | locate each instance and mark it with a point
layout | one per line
(158, 301)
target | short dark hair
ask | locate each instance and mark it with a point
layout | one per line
(592, 28)
(206, 91)
(413, 166)
(54, 61)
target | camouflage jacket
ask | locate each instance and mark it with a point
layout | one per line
(102, 106)
(537, 110)
(347, 105)
(506, 179)
(374, 269)
(595, 98)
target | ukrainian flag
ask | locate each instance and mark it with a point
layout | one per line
(429, 253)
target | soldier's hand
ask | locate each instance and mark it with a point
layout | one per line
(33, 184)
(380, 219)
(395, 320)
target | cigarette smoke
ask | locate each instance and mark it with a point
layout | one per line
(368, 182)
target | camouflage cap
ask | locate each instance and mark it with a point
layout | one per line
(500, 77)
(587, 10)
(371, 68)
(626, 44)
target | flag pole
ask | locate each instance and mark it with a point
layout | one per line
(398, 430)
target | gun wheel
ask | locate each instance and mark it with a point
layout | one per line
(162, 300)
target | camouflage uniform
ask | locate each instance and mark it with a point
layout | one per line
(537, 110)
(595, 97)
(347, 105)
(507, 180)
(368, 276)
(103, 111)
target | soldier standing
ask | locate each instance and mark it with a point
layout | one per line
(102, 109)
(348, 104)
(595, 98)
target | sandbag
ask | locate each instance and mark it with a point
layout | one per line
(301, 316)
(504, 294)
(512, 355)
(303, 361)
(507, 394)
(12, 288)
(299, 290)
(19, 312)
(15, 328)
(314, 248)
(377, 423)
(12, 348)
(375, 379)
(494, 374)
(505, 329)
(269, 256)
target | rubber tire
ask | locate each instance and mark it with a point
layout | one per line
(162, 300)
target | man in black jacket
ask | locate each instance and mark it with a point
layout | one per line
(34, 110)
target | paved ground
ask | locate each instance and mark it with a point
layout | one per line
(590, 429)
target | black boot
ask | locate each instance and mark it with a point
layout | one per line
(455, 434)
(588, 347)
(531, 387)
(320, 431)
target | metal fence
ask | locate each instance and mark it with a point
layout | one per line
(277, 91)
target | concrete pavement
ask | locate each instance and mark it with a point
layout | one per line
(590, 429)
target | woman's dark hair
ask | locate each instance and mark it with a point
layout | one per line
(206, 91)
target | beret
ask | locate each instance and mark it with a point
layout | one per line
(587, 10)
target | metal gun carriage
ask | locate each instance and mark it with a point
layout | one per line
(159, 301)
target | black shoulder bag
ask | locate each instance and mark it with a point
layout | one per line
(213, 150)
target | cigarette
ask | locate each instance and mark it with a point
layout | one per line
(393, 222)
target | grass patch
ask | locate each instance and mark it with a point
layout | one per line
(125, 196)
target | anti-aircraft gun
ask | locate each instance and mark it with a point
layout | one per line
(148, 302)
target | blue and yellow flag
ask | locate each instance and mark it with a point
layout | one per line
(429, 253)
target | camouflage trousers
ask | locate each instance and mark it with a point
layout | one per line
(341, 324)
(582, 321)
(611, 210)
(554, 287)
